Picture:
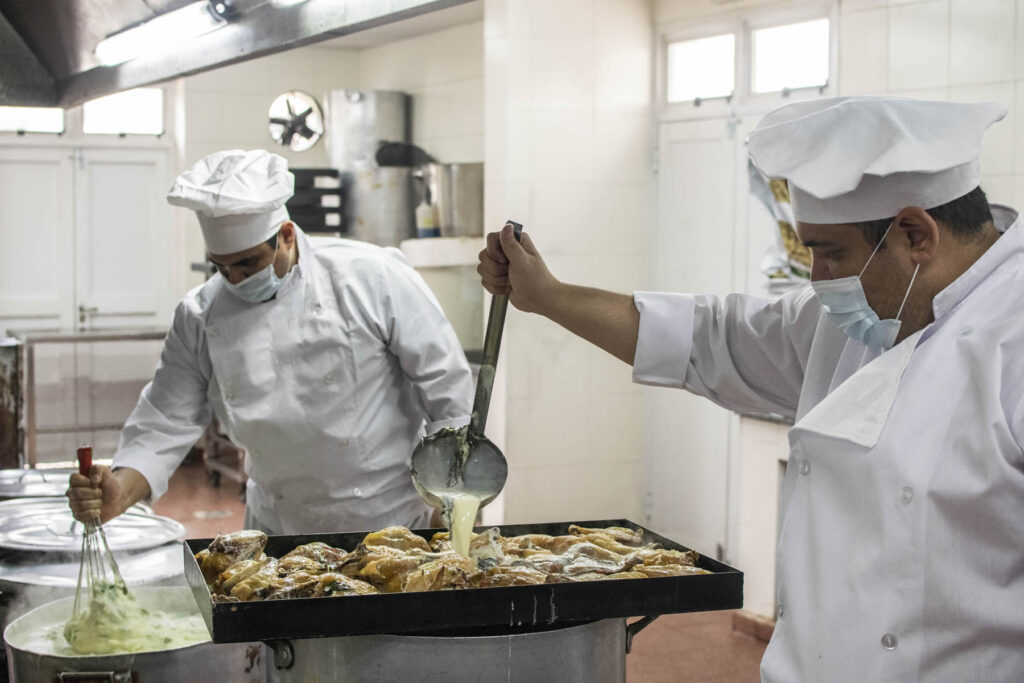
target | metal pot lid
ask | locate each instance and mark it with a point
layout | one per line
(17, 506)
(158, 565)
(45, 530)
(31, 483)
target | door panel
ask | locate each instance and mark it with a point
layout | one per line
(36, 243)
(90, 228)
(123, 238)
(693, 251)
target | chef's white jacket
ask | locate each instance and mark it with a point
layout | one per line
(328, 387)
(901, 552)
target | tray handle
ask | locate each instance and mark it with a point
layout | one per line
(636, 627)
(284, 653)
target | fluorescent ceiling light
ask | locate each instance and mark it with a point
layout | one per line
(159, 34)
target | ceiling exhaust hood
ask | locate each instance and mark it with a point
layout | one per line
(60, 53)
(161, 33)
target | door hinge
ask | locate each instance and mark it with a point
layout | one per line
(655, 161)
(648, 507)
(730, 126)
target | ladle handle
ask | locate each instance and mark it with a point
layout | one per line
(492, 344)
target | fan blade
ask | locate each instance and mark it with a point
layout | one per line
(281, 122)
(305, 131)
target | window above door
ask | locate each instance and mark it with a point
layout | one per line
(755, 58)
(134, 118)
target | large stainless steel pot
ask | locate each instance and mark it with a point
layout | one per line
(31, 483)
(30, 579)
(382, 205)
(379, 202)
(458, 191)
(589, 653)
(42, 559)
(32, 658)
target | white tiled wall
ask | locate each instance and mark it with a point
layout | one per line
(567, 136)
(443, 72)
(960, 50)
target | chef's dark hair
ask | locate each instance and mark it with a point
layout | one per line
(272, 242)
(965, 217)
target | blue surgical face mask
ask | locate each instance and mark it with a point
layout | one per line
(847, 306)
(259, 286)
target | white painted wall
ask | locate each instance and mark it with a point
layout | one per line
(567, 134)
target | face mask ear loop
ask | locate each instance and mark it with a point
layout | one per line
(907, 295)
(277, 245)
(877, 247)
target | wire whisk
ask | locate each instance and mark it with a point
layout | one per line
(98, 571)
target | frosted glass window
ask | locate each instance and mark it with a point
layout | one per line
(32, 119)
(703, 68)
(138, 112)
(791, 56)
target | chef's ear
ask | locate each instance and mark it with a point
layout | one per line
(287, 233)
(919, 232)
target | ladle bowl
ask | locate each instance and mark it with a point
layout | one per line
(435, 467)
(453, 462)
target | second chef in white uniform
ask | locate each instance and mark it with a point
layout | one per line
(326, 361)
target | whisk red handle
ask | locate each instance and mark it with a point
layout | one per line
(84, 460)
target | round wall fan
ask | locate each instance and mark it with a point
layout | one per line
(296, 120)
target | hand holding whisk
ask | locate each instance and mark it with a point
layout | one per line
(98, 569)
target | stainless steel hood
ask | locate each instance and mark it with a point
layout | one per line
(46, 46)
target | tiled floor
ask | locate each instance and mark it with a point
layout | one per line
(204, 510)
(673, 649)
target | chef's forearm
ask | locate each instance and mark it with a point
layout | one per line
(605, 319)
(133, 487)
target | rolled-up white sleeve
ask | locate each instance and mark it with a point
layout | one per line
(745, 353)
(665, 338)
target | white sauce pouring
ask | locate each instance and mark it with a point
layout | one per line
(460, 508)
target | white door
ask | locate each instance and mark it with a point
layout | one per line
(693, 250)
(37, 262)
(84, 243)
(122, 236)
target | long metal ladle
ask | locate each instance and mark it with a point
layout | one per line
(464, 461)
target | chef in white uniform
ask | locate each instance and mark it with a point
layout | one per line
(901, 553)
(326, 361)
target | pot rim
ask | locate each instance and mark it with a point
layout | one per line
(62, 608)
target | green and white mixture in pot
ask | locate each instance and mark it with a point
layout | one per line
(113, 622)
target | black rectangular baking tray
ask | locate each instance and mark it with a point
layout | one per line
(480, 611)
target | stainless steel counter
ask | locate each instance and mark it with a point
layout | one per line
(29, 339)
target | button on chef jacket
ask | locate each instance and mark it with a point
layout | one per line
(328, 386)
(901, 552)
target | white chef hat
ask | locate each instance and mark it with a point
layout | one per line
(238, 197)
(854, 159)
